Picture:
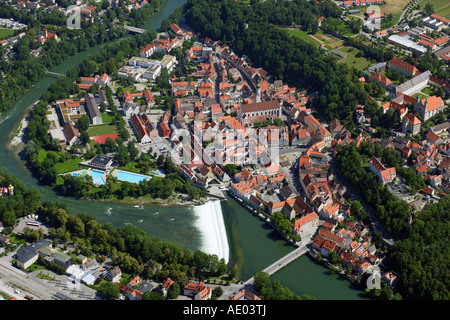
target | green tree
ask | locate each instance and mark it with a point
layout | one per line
(261, 281)
(109, 290)
(83, 122)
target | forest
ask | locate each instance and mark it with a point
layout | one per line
(422, 257)
(251, 31)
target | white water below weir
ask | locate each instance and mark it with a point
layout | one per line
(212, 227)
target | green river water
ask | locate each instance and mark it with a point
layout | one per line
(252, 243)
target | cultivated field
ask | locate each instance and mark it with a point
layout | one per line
(394, 6)
(441, 7)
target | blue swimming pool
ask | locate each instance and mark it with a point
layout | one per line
(97, 177)
(130, 177)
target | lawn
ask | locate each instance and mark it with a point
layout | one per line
(68, 166)
(351, 60)
(316, 39)
(422, 96)
(302, 35)
(107, 117)
(429, 91)
(6, 33)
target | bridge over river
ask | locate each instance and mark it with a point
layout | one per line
(281, 263)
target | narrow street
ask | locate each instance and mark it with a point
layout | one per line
(376, 225)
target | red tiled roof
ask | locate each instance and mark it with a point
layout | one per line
(404, 65)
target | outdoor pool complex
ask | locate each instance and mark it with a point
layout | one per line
(130, 177)
(97, 176)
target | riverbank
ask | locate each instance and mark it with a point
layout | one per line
(18, 136)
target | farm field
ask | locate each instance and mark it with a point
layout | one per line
(395, 6)
(441, 7)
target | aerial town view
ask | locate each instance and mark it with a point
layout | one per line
(254, 150)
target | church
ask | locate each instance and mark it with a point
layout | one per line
(251, 113)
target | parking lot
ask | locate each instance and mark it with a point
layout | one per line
(31, 223)
(10, 23)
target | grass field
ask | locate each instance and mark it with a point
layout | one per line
(351, 60)
(302, 35)
(316, 39)
(6, 33)
(441, 7)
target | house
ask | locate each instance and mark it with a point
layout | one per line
(71, 133)
(55, 256)
(197, 290)
(380, 80)
(384, 174)
(167, 284)
(402, 67)
(306, 225)
(114, 275)
(244, 294)
(130, 293)
(390, 278)
(175, 29)
(411, 125)
(4, 239)
(433, 138)
(140, 129)
(413, 85)
(149, 99)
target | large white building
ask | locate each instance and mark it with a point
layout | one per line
(141, 67)
(414, 85)
(407, 44)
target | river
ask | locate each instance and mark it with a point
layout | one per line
(251, 241)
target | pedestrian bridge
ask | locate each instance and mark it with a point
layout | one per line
(134, 29)
(57, 75)
(281, 263)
